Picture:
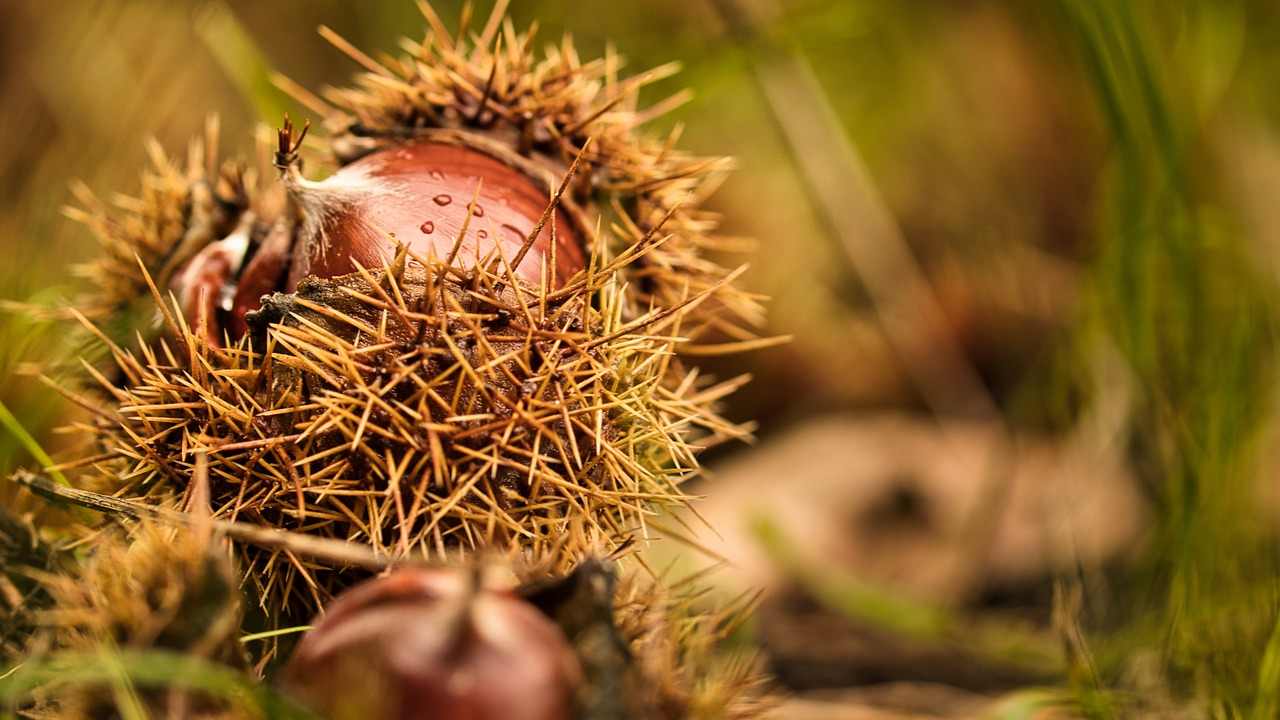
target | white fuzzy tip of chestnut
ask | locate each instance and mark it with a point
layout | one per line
(434, 644)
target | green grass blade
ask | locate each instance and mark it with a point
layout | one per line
(279, 632)
(15, 427)
(152, 669)
(1267, 703)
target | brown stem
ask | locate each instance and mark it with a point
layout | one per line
(335, 551)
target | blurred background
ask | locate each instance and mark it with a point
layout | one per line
(1019, 459)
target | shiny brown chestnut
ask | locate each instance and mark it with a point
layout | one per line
(434, 644)
(204, 285)
(418, 194)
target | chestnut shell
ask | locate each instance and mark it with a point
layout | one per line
(420, 644)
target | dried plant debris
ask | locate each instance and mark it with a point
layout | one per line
(644, 648)
(427, 392)
(635, 648)
(25, 559)
(163, 587)
(149, 587)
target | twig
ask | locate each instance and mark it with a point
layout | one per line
(335, 551)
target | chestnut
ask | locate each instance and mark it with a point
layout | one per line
(434, 644)
(418, 194)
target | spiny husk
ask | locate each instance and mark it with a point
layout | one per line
(538, 112)
(148, 587)
(178, 210)
(651, 651)
(679, 650)
(416, 409)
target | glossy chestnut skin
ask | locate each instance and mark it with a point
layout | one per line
(203, 285)
(266, 273)
(421, 645)
(420, 193)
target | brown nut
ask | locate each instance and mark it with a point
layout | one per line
(430, 644)
(419, 194)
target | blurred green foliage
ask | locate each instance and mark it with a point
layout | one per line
(123, 672)
(1179, 294)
